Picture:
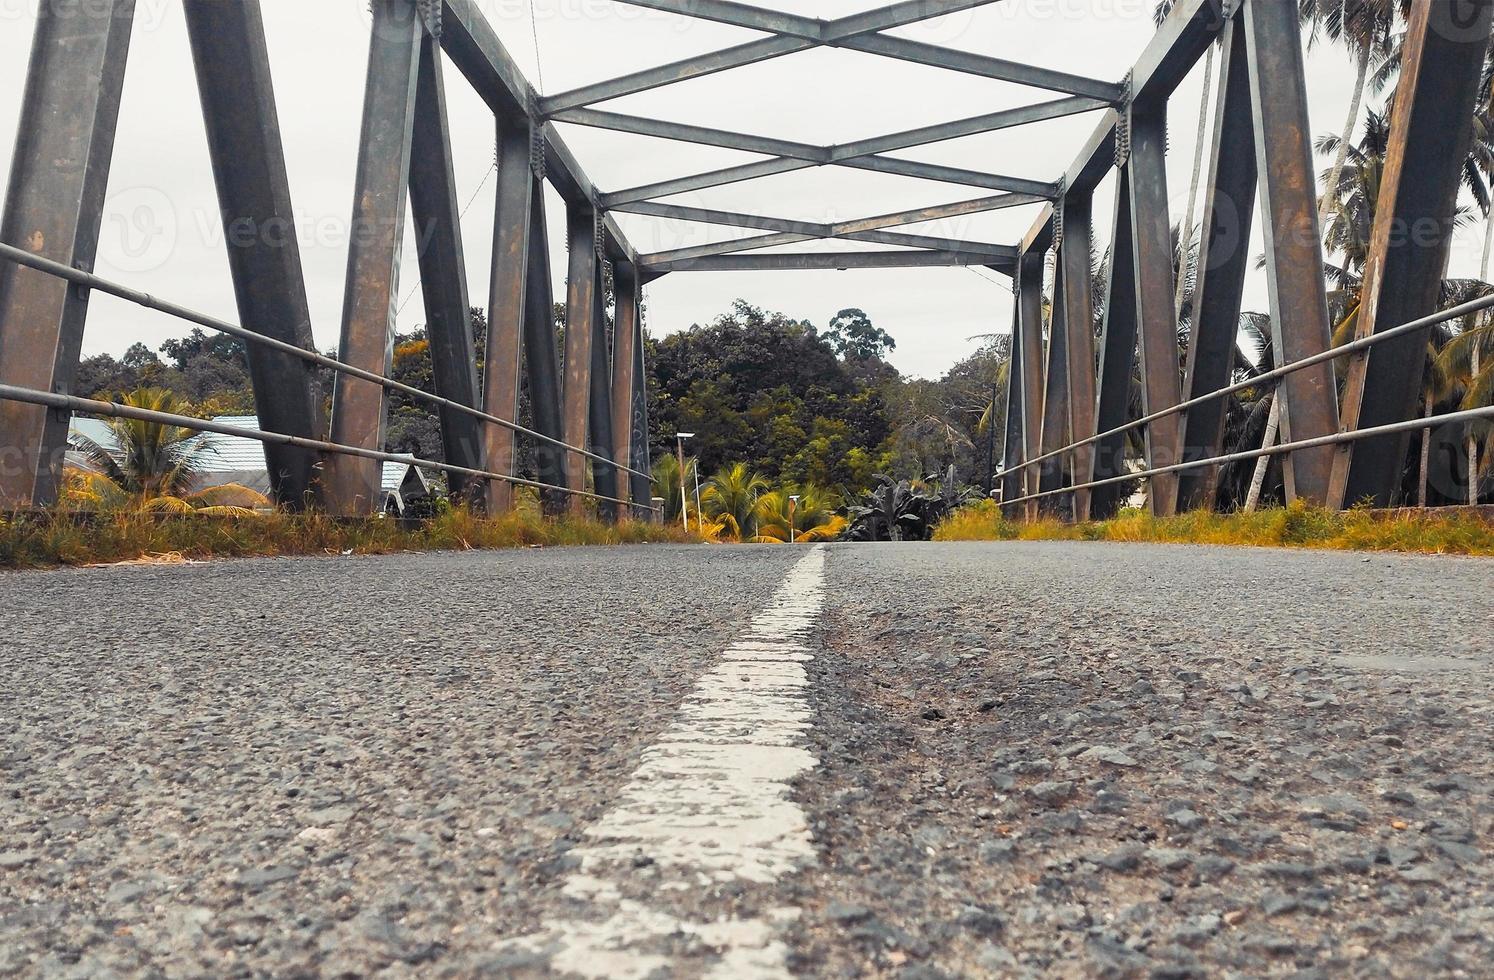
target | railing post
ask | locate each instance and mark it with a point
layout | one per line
(54, 207)
(508, 302)
(627, 339)
(1117, 354)
(1030, 336)
(264, 254)
(1294, 249)
(436, 213)
(1156, 316)
(1442, 57)
(360, 408)
(604, 477)
(1223, 261)
(1079, 319)
(580, 311)
(541, 353)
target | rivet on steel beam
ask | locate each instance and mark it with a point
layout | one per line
(1058, 206)
(1123, 122)
(537, 149)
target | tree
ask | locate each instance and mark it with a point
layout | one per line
(731, 497)
(853, 337)
(152, 459)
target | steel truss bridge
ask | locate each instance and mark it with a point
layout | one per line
(1344, 438)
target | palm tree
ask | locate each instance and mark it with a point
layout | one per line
(731, 496)
(1367, 29)
(813, 518)
(152, 460)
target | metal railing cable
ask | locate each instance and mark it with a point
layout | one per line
(1266, 377)
(1394, 428)
(139, 298)
(88, 406)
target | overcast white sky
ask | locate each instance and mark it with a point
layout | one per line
(161, 230)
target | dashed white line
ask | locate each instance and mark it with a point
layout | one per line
(709, 804)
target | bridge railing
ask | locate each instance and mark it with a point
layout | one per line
(87, 406)
(1026, 469)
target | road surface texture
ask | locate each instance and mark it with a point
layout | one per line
(1046, 760)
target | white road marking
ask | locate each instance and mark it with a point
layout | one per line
(709, 804)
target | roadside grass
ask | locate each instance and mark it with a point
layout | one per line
(1297, 526)
(48, 540)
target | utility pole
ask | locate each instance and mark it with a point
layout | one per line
(679, 441)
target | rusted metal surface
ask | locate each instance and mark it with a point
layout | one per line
(1443, 55)
(580, 312)
(360, 408)
(508, 301)
(1055, 429)
(541, 350)
(53, 207)
(1156, 316)
(436, 212)
(1079, 348)
(1117, 355)
(1294, 251)
(1223, 261)
(600, 413)
(1029, 302)
(627, 339)
(1012, 445)
(264, 256)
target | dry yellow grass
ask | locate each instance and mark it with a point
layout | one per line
(112, 537)
(1298, 526)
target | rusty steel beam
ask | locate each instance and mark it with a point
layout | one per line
(54, 206)
(1443, 55)
(626, 379)
(1079, 349)
(580, 312)
(791, 156)
(436, 213)
(473, 47)
(1294, 251)
(1156, 316)
(360, 408)
(264, 256)
(541, 354)
(508, 303)
(600, 414)
(1055, 428)
(826, 261)
(1012, 447)
(861, 32)
(793, 232)
(1223, 262)
(1117, 354)
(1028, 280)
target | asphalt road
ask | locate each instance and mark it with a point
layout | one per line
(912, 760)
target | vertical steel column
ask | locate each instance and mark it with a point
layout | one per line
(1030, 326)
(1442, 58)
(1055, 431)
(1011, 447)
(1222, 264)
(1117, 354)
(1079, 319)
(53, 207)
(508, 303)
(264, 254)
(580, 310)
(541, 356)
(360, 408)
(625, 378)
(643, 487)
(601, 441)
(1294, 250)
(1156, 316)
(436, 212)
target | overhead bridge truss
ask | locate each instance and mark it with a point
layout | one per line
(1071, 383)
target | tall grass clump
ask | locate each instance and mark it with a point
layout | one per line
(1454, 532)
